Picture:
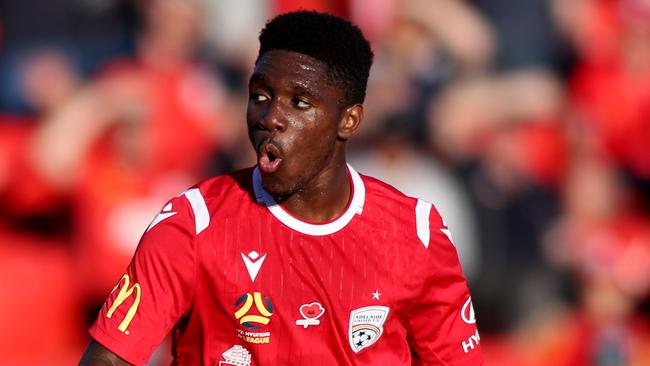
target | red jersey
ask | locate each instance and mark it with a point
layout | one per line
(238, 280)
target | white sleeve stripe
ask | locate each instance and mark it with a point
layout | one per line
(422, 211)
(201, 215)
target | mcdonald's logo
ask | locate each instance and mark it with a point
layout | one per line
(125, 292)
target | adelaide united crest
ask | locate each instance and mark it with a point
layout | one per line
(366, 326)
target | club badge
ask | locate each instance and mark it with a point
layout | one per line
(366, 326)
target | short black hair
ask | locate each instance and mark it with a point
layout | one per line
(332, 40)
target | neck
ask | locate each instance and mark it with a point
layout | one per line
(324, 198)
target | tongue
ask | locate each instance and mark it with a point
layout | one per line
(268, 166)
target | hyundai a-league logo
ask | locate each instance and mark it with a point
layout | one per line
(253, 319)
(366, 326)
(258, 319)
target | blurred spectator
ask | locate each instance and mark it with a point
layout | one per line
(51, 67)
(605, 245)
(601, 236)
(29, 200)
(156, 95)
(424, 46)
(503, 134)
(113, 148)
(142, 131)
(90, 32)
(525, 34)
(611, 88)
(231, 30)
(35, 265)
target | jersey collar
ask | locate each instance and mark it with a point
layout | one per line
(355, 207)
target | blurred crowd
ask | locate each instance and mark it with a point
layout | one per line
(527, 123)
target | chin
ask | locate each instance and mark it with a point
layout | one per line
(278, 189)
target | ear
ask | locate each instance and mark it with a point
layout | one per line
(350, 122)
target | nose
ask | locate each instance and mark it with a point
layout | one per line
(272, 118)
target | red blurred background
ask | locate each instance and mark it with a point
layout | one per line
(527, 122)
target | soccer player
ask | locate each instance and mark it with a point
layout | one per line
(299, 260)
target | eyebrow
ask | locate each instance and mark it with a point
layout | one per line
(296, 86)
(301, 88)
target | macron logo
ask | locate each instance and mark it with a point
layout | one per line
(253, 263)
(164, 214)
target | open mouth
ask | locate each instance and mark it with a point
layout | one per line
(268, 159)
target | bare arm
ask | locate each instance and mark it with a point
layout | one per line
(98, 355)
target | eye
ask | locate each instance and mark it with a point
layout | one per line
(258, 98)
(300, 103)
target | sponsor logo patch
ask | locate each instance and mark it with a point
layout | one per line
(164, 214)
(125, 292)
(366, 326)
(253, 262)
(310, 314)
(236, 356)
(253, 320)
(467, 312)
(471, 343)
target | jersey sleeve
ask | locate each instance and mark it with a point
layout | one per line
(156, 290)
(442, 322)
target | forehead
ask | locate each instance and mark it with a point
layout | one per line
(286, 67)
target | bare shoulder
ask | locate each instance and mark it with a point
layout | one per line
(98, 355)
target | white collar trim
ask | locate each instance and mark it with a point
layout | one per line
(355, 207)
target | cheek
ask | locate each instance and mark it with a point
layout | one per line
(314, 145)
(251, 115)
(311, 135)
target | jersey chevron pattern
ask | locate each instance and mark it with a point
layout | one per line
(237, 280)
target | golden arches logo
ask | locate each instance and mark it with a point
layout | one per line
(125, 292)
(264, 308)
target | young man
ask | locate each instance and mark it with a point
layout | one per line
(299, 260)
